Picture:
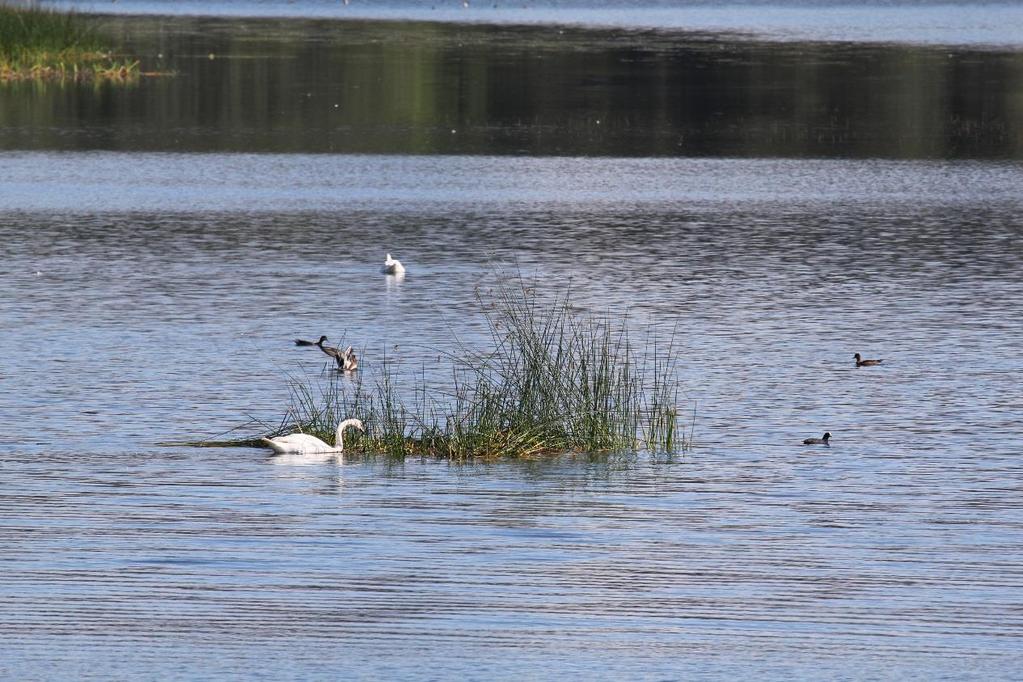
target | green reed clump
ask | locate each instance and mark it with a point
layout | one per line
(37, 43)
(557, 381)
(554, 381)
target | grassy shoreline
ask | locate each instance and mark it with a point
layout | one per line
(555, 382)
(41, 44)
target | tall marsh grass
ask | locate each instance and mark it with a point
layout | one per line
(42, 43)
(554, 381)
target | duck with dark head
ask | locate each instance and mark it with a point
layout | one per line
(339, 355)
(819, 441)
(866, 363)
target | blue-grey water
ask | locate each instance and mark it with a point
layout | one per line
(935, 22)
(154, 275)
(149, 297)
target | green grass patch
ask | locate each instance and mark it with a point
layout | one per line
(45, 44)
(554, 381)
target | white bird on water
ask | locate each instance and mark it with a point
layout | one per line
(304, 444)
(392, 266)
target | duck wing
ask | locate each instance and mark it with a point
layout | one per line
(332, 352)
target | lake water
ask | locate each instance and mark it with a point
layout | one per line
(417, 87)
(936, 22)
(163, 245)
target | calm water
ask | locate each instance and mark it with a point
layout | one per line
(153, 280)
(989, 22)
(417, 87)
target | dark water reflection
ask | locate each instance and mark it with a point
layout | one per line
(419, 88)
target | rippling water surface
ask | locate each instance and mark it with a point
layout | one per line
(148, 297)
(780, 185)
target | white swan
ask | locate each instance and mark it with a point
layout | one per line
(392, 266)
(304, 444)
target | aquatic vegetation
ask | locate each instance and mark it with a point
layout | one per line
(554, 381)
(46, 44)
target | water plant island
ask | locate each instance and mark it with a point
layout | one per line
(44, 44)
(553, 381)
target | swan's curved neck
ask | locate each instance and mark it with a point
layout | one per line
(339, 443)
